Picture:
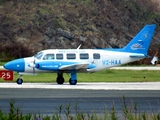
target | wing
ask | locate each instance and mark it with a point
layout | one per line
(74, 66)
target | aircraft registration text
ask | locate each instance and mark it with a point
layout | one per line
(111, 62)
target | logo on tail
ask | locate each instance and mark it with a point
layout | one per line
(137, 46)
(145, 37)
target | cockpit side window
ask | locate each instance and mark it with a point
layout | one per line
(39, 55)
(48, 57)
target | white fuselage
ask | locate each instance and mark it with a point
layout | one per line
(98, 59)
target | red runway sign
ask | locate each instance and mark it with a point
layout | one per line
(6, 75)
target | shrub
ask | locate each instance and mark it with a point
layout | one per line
(13, 50)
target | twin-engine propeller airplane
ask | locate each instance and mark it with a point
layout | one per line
(83, 60)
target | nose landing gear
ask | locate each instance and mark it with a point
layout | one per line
(19, 80)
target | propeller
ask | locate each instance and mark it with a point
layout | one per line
(33, 65)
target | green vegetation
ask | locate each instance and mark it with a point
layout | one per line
(109, 75)
(144, 13)
(2, 63)
(130, 112)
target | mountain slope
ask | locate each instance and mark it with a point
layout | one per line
(30, 26)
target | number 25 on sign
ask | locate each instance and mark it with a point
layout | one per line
(6, 75)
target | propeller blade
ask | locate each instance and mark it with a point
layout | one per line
(34, 65)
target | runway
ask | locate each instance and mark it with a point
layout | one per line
(89, 97)
(47, 100)
(89, 86)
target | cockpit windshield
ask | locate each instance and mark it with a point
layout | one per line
(39, 55)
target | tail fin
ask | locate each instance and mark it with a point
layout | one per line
(140, 43)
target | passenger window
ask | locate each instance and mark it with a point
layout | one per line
(59, 56)
(71, 56)
(84, 56)
(48, 57)
(96, 56)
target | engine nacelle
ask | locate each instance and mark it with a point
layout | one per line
(32, 65)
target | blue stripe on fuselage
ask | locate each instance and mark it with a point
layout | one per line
(52, 65)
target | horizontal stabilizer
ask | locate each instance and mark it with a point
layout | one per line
(139, 56)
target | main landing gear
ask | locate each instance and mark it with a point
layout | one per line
(60, 79)
(72, 80)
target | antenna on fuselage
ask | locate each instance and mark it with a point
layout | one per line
(79, 46)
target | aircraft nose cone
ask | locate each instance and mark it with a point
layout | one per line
(15, 65)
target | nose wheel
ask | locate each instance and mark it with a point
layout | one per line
(19, 80)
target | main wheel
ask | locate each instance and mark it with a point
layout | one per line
(72, 82)
(19, 81)
(60, 80)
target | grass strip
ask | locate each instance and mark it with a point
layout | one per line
(109, 75)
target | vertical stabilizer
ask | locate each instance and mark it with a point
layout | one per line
(140, 43)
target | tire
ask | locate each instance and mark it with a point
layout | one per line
(60, 80)
(19, 81)
(72, 82)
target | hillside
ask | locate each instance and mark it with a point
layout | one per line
(28, 26)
